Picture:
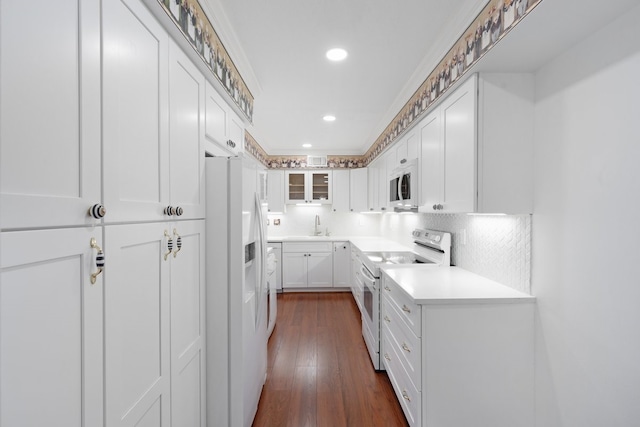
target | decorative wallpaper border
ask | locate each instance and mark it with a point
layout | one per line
(252, 147)
(496, 19)
(197, 29)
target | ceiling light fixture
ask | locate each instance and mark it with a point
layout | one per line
(336, 54)
(307, 145)
(329, 118)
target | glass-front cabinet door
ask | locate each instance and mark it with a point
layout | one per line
(320, 187)
(296, 185)
(308, 187)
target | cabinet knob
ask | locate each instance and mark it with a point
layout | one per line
(179, 211)
(97, 211)
(440, 207)
(170, 210)
(435, 207)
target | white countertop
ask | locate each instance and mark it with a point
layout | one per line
(451, 285)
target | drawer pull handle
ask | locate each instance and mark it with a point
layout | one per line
(387, 319)
(406, 396)
(406, 348)
(178, 243)
(405, 308)
(169, 244)
(387, 288)
(99, 260)
(386, 356)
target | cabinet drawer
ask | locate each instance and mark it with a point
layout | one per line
(410, 311)
(307, 247)
(409, 397)
(404, 342)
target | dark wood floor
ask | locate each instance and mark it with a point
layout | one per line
(319, 372)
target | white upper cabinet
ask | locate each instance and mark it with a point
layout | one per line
(186, 136)
(407, 148)
(358, 182)
(223, 128)
(275, 191)
(49, 120)
(135, 113)
(476, 148)
(340, 180)
(308, 187)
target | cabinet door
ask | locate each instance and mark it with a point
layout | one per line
(320, 187)
(296, 184)
(135, 112)
(49, 121)
(358, 182)
(187, 325)
(186, 134)
(320, 269)
(341, 264)
(372, 183)
(236, 133)
(275, 191)
(216, 125)
(431, 161)
(136, 301)
(341, 191)
(294, 270)
(51, 329)
(459, 137)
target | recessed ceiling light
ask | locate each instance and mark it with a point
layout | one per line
(336, 54)
(329, 118)
(307, 145)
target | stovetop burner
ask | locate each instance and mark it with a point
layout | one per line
(396, 258)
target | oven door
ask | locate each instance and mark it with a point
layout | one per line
(371, 316)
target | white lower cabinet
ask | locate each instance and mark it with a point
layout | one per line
(137, 328)
(459, 364)
(341, 264)
(307, 265)
(154, 321)
(51, 328)
(188, 398)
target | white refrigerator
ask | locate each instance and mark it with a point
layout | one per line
(236, 289)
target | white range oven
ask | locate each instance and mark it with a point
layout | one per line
(430, 247)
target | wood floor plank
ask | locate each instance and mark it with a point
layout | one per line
(319, 372)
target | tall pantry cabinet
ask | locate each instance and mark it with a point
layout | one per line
(101, 317)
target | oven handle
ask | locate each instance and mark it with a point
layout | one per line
(368, 276)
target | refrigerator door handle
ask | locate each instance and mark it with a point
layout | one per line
(261, 237)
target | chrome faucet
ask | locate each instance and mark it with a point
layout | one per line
(316, 232)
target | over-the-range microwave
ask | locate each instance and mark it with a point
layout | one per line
(403, 186)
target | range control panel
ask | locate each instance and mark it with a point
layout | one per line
(433, 238)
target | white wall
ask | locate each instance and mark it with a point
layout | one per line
(586, 232)
(299, 221)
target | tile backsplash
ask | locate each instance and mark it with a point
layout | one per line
(494, 246)
(299, 221)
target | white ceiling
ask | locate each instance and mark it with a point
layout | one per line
(279, 47)
(285, 42)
